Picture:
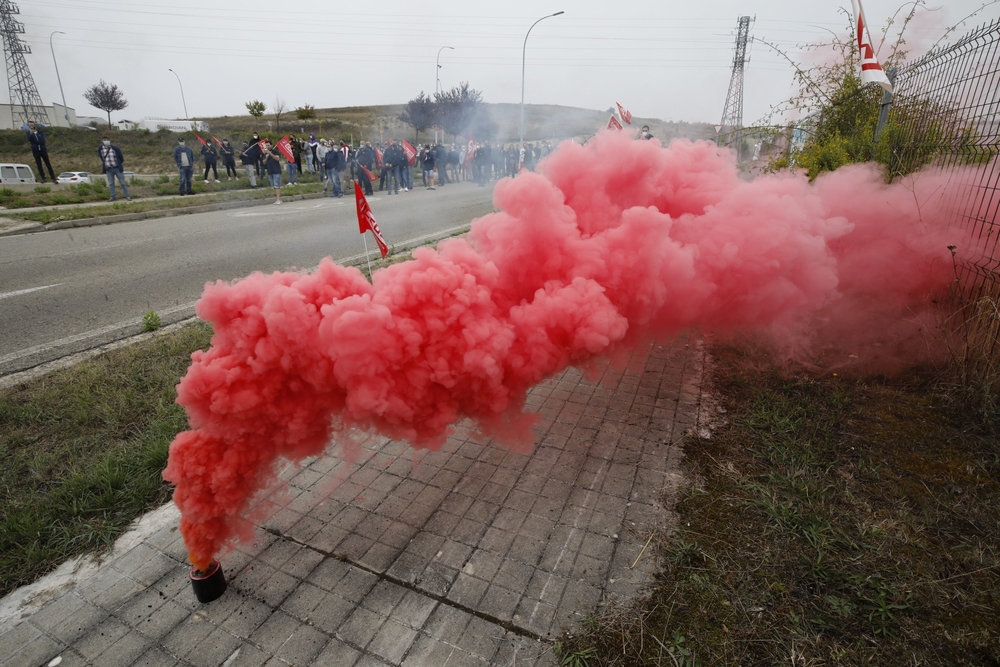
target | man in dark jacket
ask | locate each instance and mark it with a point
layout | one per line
(334, 163)
(113, 165)
(211, 157)
(227, 152)
(184, 157)
(366, 158)
(250, 157)
(37, 141)
(391, 160)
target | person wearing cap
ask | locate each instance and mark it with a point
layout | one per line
(112, 165)
(184, 157)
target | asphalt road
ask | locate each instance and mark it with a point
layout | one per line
(66, 291)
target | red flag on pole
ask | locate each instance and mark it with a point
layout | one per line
(284, 146)
(203, 142)
(871, 69)
(366, 220)
(613, 124)
(378, 156)
(625, 114)
(470, 148)
(371, 176)
(217, 142)
(411, 152)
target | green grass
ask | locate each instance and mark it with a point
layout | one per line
(82, 449)
(833, 521)
(138, 205)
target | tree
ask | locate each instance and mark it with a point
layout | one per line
(256, 108)
(279, 108)
(106, 97)
(457, 108)
(306, 112)
(419, 113)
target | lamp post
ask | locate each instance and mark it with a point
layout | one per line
(524, 50)
(437, 80)
(182, 93)
(52, 48)
(437, 70)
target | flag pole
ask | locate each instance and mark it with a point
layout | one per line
(365, 237)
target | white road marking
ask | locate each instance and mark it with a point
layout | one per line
(7, 295)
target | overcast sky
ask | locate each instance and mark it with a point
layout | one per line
(663, 59)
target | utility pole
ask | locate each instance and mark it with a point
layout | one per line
(23, 92)
(731, 133)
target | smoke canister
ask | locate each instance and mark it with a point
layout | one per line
(209, 584)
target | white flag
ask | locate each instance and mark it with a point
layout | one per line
(871, 70)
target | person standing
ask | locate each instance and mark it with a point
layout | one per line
(255, 151)
(333, 163)
(321, 149)
(36, 138)
(427, 165)
(311, 162)
(391, 166)
(293, 164)
(184, 157)
(211, 157)
(227, 152)
(113, 166)
(271, 159)
(250, 156)
(366, 159)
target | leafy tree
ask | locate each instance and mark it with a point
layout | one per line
(106, 97)
(279, 108)
(306, 112)
(256, 108)
(457, 108)
(419, 113)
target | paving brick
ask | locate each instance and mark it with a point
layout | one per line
(185, 636)
(383, 598)
(248, 656)
(360, 627)
(79, 617)
(337, 654)
(247, 617)
(414, 609)
(303, 646)
(331, 612)
(39, 651)
(275, 631)
(392, 641)
(167, 617)
(154, 657)
(467, 591)
(100, 638)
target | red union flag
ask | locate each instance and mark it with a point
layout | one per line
(366, 220)
(203, 142)
(371, 176)
(613, 124)
(411, 152)
(378, 156)
(217, 142)
(284, 146)
(625, 114)
(871, 70)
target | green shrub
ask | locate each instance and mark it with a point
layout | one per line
(151, 321)
(7, 193)
(42, 189)
(82, 189)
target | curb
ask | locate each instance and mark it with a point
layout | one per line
(33, 227)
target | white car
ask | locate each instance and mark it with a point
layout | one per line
(74, 177)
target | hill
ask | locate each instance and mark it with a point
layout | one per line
(152, 152)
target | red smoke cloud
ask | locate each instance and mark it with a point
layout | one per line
(610, 244)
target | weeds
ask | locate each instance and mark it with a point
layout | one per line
(861, 529)
(151, 321)
(81, 452)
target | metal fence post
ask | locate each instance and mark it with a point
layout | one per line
(883, 114)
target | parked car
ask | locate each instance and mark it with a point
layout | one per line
(16, 173)
(74, 177)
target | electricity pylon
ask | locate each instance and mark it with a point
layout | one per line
(731, 130)
(26, 105)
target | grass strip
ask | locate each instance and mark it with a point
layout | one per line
(833, 521)
(141, 205)
(82, 449)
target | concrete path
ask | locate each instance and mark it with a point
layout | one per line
(469, 555)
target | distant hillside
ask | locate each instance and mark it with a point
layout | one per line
(152, 152)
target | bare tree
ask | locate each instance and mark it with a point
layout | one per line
(419, 113)
(279, 108)
(106, 97)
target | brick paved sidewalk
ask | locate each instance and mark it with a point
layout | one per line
(469, 555)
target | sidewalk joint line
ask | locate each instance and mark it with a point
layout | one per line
(384, 576)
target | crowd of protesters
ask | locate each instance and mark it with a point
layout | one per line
(389, 167)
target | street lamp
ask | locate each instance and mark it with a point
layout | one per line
(523, 52)
(437, 71)
(182, 94)
(52, 48)
(437, 80)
